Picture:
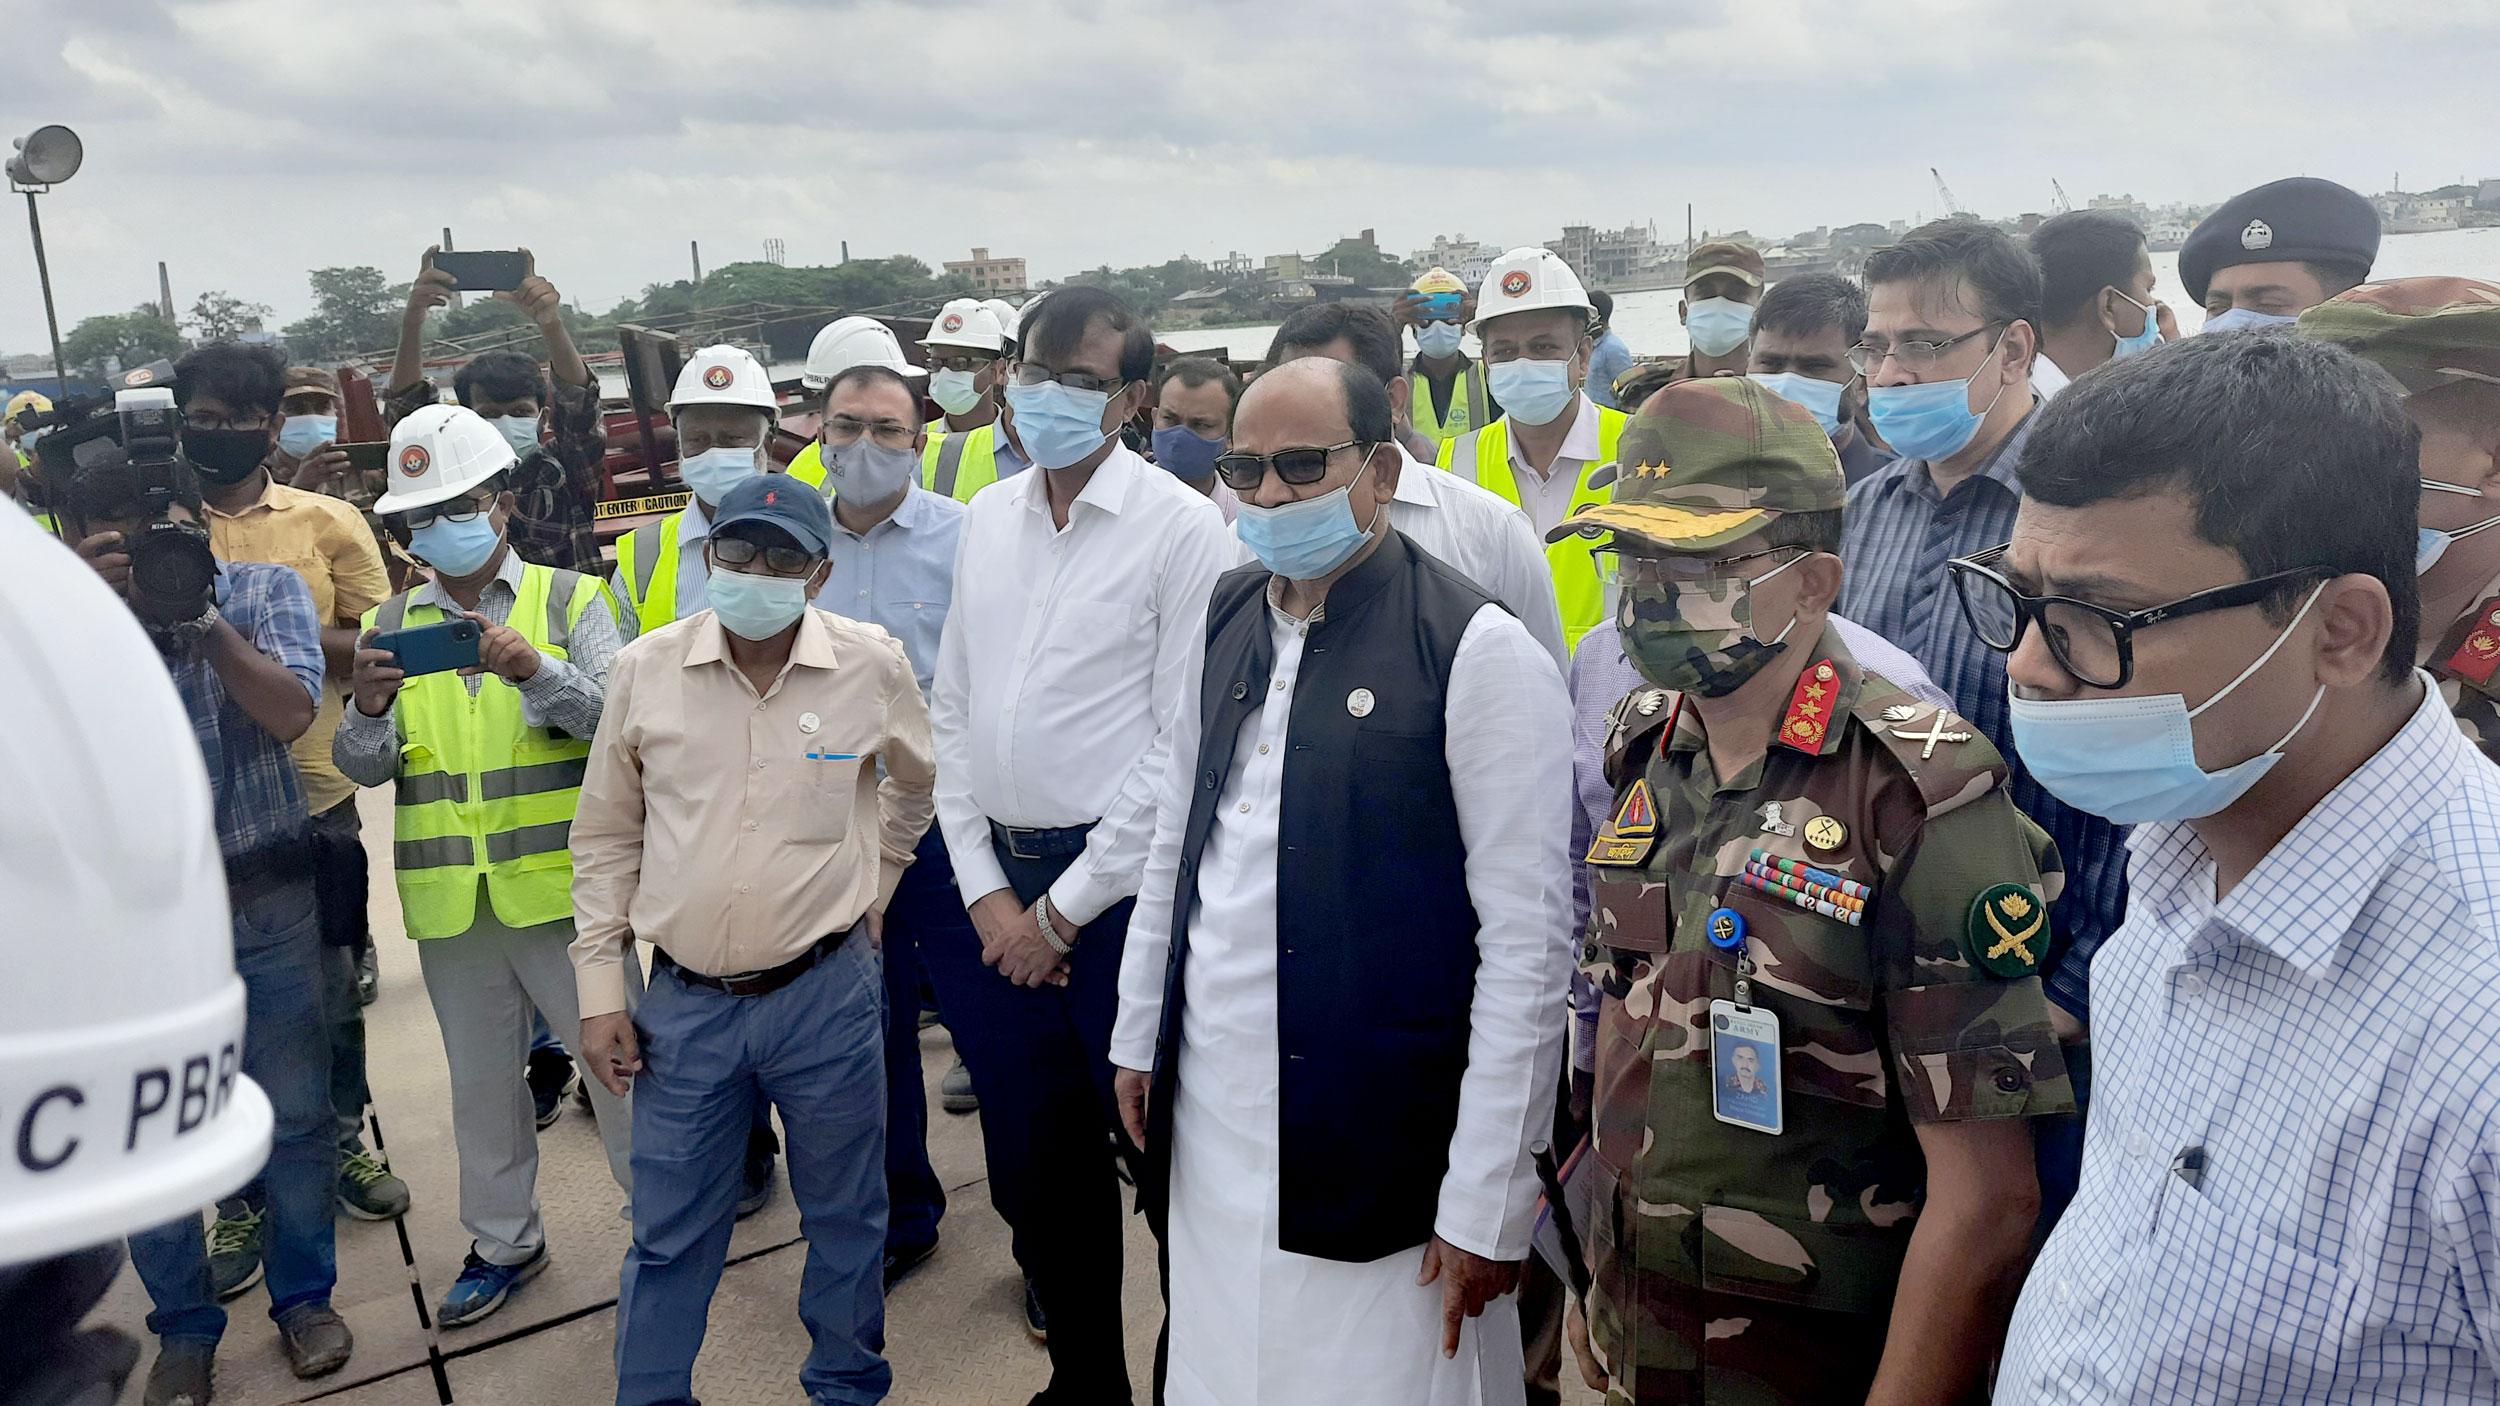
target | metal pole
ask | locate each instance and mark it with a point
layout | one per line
(43, 272)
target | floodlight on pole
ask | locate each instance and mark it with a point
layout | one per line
(43, 159)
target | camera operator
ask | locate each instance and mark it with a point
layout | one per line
(243, 644)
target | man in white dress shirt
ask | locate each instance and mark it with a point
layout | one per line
(1484, 535)
(1079, 610)
(1336, 1033)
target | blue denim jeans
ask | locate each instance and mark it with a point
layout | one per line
(286, 1050)
(815, 1050)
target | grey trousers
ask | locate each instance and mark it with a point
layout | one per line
(483, 984)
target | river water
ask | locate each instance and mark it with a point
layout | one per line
(1648, 322)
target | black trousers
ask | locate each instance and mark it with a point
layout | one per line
(1040, 1058)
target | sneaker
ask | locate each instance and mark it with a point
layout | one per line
(482, 1287)
(234, 1253)
(551, 1076)
(185, 1373)
(368, 975)
(901, 1260)
(367, 1188)
(756, 1187)
(955, 1090)
(316, 1340)
(1035, 1325)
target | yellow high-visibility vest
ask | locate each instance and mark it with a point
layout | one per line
(482, 794)
(646, 561)
(1468, 407)
(1483, 457)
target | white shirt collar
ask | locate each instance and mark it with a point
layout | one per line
(1580, 442)
(1415, 485)
(1107, 490)
(698, 524)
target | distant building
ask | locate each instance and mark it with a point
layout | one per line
(2487, 194)
(1233, 265)
(2405, 212)
(1630, 257)
(1280, 268)
(988, 275)
(1469, 259)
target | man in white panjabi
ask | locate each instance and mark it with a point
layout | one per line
(1337, 1031)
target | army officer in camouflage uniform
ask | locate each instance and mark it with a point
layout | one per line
(1817, 926)
(2440, 339)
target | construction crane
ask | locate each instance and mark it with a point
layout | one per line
(2063, 205)
(1944, 193)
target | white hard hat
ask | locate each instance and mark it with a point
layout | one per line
(1530, 279)
(723, 375)
(121, 1023)
(440, 452)
(1024, 315)
(846, 342)
(1005, 312)
(965, 322)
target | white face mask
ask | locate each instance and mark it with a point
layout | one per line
(712, 473)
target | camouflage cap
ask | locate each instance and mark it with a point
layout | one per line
(2426, 332)
(310, 380)
(1708, 461)
(1725, 256)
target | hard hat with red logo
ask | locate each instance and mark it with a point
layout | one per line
(846, 342)
(723, 375)
(967, 323)
(438, 453)
(1530, 279)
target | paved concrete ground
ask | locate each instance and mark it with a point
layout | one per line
(954, 1330)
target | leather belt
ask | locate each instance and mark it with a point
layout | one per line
(1030, 842)
(257, 873)
(757, 983)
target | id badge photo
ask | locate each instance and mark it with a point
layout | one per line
(1745, 1067)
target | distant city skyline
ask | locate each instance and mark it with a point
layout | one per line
(248, 141)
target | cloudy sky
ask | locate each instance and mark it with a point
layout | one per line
(245, 141)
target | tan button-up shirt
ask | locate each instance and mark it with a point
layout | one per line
(734, 830)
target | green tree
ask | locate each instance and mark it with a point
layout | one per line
(354, 310)
(219, 316)
(1364, 263)
(101, 345)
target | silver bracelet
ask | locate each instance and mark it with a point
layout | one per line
(1050, 931)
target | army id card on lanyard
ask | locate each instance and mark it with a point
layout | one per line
(1745, 1087)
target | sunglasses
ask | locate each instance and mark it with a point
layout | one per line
(1298, 467)
(780, 561)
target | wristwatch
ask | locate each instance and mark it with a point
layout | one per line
(1050, 931)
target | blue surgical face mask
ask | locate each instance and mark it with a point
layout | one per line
(712, 473)
(1931, 420)
(955, 392)
(2431, 543)
(1818, 396)
(2247, 320)
(519, 431)
(456, 548)
(1718, 326)
(1438, 339)
(1532, 392)
(1187, 453)
(301, 434)
(1058, 425)
(2132, 760)
(756, 607)
(1306, 540)
(2142, 341)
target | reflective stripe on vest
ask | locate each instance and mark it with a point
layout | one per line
(649, 562)
(1468, 409)
(1482, 457)
(808, 466)
(962, 463)
(482, 794)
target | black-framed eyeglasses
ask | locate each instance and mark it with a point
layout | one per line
(780, 561)
(1033, 373)
(2092, 643)
(1616, 567)
(959, 361)
(1913, 355)
(450, 510)
(1241, 472)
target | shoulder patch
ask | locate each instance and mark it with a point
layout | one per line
(2008, 931)
(1808, 724)
(1949, 759)
(2476, 656)
(1644, 714)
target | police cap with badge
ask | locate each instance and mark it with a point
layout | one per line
(2299, 220)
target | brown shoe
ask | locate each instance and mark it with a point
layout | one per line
(316, 1339)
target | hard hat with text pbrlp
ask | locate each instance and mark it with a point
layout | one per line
(1529, 279)
(121, 1023)
(967, 323)
(846, 342)
(438, 453)
(723, 375)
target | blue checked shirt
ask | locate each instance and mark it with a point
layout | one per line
(251, 775)
(1899, 534)
(901, 576)
(2325, 1035)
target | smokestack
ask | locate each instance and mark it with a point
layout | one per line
(164, 290)
(694, 251)
(846, 251)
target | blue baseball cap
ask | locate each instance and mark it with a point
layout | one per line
(783, 502)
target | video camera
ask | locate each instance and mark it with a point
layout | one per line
(110, 454)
